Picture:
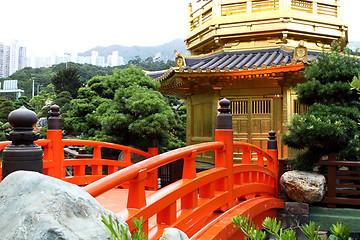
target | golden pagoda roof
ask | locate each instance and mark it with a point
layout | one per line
(235, 61)
(265, 63)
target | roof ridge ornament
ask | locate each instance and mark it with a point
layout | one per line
(179, 60)
(301, 52)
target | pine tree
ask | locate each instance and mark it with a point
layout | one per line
(67, 79)
(124, 108)
(331, 124)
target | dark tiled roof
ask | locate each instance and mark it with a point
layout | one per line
(241, 59)
(235, 61)
(156, 74)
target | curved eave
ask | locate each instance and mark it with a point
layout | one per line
(171, 86)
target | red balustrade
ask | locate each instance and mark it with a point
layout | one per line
(55, 163)
(197, 203)
(188, 203)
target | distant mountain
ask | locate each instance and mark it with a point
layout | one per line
(354, 45)
(165, 51)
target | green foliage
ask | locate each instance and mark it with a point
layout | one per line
(139, 228)
(248, 228)
(310, 232)
(42, 76)
(150, 65)
(331, 124)
(356, 82)
(120, 233)
(67, 79)
(6, 106)
(274, 228)
(114, 230)
(23, 101)
(4, 128)
(124, 108)
(340, 232)
(43, 132)
(38, 101)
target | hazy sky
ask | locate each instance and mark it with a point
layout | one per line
(48, 26)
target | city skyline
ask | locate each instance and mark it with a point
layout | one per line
(77, 26)
(95, 59)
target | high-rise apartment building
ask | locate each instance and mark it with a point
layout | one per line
(22, 57)
(114, 59)
(4, 60)
(95, 59)
(12, 58)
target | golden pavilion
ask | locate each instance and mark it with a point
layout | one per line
(253, 53)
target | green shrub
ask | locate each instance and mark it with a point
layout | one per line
(331, 124)
(120, 232)
(273, 227)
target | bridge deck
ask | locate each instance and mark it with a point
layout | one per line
(115, 201)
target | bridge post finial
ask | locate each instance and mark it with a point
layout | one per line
(22, 153)
(224, 118)
(273, 165)
(54, 121)
(54, 134)
(224, 157)
(272, 142)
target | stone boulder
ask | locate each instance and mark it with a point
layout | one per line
(307, 187)
(173, 234)
(38, 207)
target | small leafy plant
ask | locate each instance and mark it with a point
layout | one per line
(118, 232)
(273, 227)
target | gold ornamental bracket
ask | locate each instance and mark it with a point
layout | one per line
(301, 52)
(179, 60)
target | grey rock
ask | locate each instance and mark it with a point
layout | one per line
(173, 234)
(297, 208)
(304, 219)
(287, 221)
(307, 187)
(38, 207)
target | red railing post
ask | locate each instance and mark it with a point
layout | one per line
(224, 157)
(190, 200)
(152, 176)
(96, 169)
(54, 134)
(273, 166)
(331, 178)
(136, 197)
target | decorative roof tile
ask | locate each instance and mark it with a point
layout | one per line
(237, 60)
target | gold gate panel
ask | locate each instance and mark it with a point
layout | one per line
(252, 121)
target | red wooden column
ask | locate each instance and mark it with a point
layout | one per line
(273, 165)
(54, 134)
(152, 176)
(224, 157)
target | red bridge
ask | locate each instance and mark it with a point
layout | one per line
(200, 204)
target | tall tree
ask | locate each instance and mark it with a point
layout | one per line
(331, 124)
(39, 100)
(67, 79)
(23, 101)
(124, 108)
(6, 106)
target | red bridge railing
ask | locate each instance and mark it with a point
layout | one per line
(198, 194)
(187, 204)
(55, 163)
